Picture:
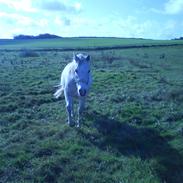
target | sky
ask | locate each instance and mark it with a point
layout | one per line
(154, 19)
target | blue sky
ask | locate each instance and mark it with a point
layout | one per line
(156, 19)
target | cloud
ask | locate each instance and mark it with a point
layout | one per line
(132, 26)
(16, 19)
(174, 6)
(171, 7)
(53, 6)
(19, 5)
(77, 6)
(62, 21)
(12, 22)
(57, 5)
(129, 26)
(36, 6)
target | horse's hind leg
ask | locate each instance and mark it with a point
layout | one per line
(80, 111)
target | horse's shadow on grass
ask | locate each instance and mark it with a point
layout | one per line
(145, 143)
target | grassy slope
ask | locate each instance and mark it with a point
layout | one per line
(132, 131)
(80, 43)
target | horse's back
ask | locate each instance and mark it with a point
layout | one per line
(69, 69)
(67, 72)
(68, 81)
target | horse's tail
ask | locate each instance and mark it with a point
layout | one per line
(58, 92)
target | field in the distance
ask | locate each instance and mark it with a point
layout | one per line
(81, 43)
(133, 126)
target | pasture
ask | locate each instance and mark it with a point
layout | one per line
(133, 126)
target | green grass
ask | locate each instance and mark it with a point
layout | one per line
(80, 43)
(133, 125)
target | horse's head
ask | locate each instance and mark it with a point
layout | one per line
(82, 73)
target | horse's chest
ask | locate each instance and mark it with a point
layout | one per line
(72, 89)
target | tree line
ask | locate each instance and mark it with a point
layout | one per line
(40, 36)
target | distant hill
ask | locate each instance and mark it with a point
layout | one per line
(180, 38)
(40, 36)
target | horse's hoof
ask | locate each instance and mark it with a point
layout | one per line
(71, 124)
(78, 125)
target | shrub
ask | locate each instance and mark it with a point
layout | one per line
(28, 53)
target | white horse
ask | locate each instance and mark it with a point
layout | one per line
(75, 81)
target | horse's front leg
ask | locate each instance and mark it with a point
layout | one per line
(80, 111)
(69, 107)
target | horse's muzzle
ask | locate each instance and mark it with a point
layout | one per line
(82, 92)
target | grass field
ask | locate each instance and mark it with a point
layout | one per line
(133, 126)
(81, 43)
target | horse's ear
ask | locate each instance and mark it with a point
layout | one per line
(76, 58)
(88, 58)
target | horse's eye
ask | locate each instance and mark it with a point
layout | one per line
(89, 71)
(76, 71)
